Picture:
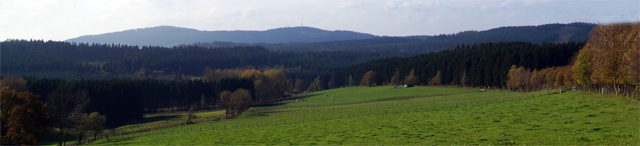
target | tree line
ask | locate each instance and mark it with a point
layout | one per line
(413, 45)
(478, 65)
(66, 60)
(608, 63)
(75, 107)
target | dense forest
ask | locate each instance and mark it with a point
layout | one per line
(484, 64)
(77, 61)
(609, 63)
(413, 45)
(135, 97)
(71, 84)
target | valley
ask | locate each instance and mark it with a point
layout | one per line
(417, 115)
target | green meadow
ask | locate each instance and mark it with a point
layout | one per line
(412, 116)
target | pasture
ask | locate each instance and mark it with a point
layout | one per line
(418, 115)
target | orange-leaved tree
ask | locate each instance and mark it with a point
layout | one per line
(369, 79)
(412, 78)
(24, 118)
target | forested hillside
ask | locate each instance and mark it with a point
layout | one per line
(413, 45)
(484, 64)
(169, 36)
(126, 100)
(75, 61)
(609, 63)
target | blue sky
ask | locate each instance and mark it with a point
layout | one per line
(64, 19)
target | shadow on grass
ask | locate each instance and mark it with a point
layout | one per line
(157, 118)
(149, 120)
(306, 96)
(278, 103)
(115, 139)
(269, 104)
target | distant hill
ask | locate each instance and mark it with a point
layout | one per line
(410, 45)
(170, 36)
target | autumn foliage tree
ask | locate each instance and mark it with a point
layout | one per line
(268, 85)
(24, 118)
(610, 59)
(464, 78)
(235, 102)
(350, 83)
(412, 78)
(369, 79)
(395, 80)
(14, 83)
(208, 74)
(316, 85)
(299, 86)
(436, 80)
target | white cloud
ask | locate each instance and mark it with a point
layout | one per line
(63, 19)
(344, 5)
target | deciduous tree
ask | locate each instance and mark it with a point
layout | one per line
(464, 78)
(412, 78)
(14, 83)
(350, 80)
(24, 118)
(65, 104)
(88, 123)
(436, 80)
(395, 80)
(299, 86)
(369, 79)
(316, 85)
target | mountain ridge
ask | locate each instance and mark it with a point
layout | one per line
(169, 36)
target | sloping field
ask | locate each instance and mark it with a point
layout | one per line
(418, 115)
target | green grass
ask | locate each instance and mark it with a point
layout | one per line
(419, 115)
(149, 121)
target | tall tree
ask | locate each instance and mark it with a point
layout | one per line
(350, 80)
(316, 85)
(98, 124)
(412, 78)
(369, 79)
(24, 118)
(88, 123)
(14, 83)
(240, 101)
(395, 80)
(513, 77)
(278, 83)
(583, 67)
(436, 80)
(65, 104)
(225, 103)
(332, 83)
(299, 86)
(464, 78)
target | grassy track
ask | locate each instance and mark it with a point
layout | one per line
(419, 115)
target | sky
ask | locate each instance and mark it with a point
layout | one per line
(64, 19)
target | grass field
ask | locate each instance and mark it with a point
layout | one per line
(418, 115)
(149, 121)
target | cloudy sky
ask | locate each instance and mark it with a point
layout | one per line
(64, 19)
